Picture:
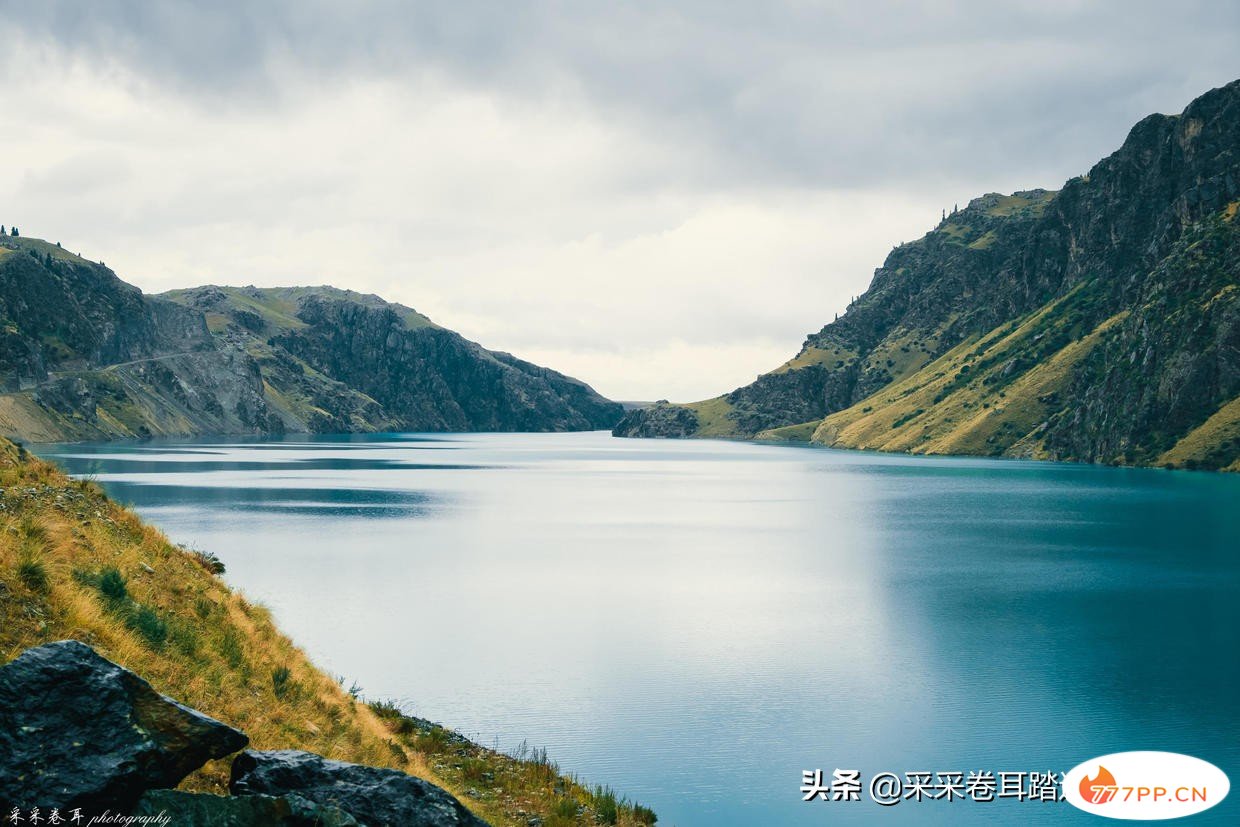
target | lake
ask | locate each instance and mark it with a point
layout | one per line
(697, 623)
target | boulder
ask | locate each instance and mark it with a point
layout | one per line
(78, 731)
(375, 797)
(204, 810)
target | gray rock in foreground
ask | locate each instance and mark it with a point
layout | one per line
(204, 810)
(375, 797)
(78, 731)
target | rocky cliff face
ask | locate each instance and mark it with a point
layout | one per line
(64, 313)
(343, 361)
(1098, 323)
(83, 355)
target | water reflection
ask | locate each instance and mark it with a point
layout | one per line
(302, 502)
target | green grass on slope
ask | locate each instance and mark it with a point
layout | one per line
(1033, 201)
(277, 311)
(713, 419)
(903, 352)
(278, 306)
(828, 357)
(289, 297)
(803, 432)
(10, 245)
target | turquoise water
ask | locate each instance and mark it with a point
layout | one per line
(696, 623)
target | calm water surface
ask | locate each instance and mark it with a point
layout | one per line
(695, 623)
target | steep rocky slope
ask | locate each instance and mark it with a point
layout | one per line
(83, 355)
(1100, 323)
(343, 361)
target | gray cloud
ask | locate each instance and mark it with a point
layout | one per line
(614, 188)
(836, 94)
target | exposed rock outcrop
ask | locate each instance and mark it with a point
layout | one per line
(204, 810)
(423, 377)
(373, 796)
(76, 730)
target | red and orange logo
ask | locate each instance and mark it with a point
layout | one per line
(1100, 789)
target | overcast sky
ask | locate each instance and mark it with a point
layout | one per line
(660, 198)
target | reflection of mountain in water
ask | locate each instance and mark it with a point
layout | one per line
(83, 466)
(305, 502)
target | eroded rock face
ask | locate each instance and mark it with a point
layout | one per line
(658, 421)
(78, 731)
(240, 811)
(431, 379)
(375, 797)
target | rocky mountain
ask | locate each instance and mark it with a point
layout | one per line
(1099, 323)
(83, 355)
(341, 361)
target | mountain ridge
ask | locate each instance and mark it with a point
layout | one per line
(1097, 323)
(85, 355)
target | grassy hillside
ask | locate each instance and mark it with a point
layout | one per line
(1003, 393)
(713, 419)
(74, 564)
(963, 402)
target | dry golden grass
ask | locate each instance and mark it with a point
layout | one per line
(902, 353)
(828, 357)
(713, 419)
(1198, 443)
(205, 645)
(948, 407)
(790, 433)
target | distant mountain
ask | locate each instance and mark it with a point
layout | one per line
(343, 361)
(83, 355)
(1100, 323)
